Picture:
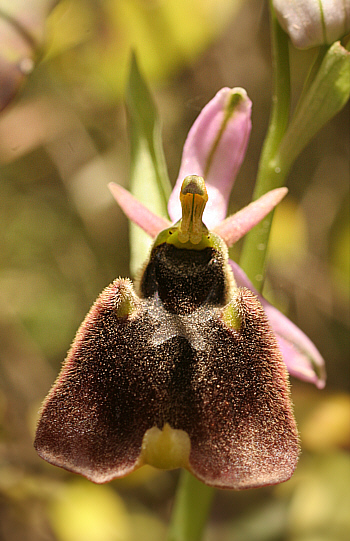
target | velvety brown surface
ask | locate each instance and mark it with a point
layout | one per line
(184, 279)
(227, 389)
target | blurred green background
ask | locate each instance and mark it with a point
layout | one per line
(63, 239)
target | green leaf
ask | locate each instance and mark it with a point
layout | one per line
(325, 97)
(149, 180)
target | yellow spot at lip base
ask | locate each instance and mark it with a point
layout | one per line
(165, 449)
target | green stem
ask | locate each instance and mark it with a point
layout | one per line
(271, 174)
(191, 508)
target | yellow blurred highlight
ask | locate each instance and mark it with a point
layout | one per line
(86, 512)
(320, 501)
(328, 426)
(340, 259)
(288, 238)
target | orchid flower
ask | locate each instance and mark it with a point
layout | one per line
(214, 149)
(185, 369)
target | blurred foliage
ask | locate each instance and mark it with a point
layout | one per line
(91, 41)
(22, 30)
(63, 239)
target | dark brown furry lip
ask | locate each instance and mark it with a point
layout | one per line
(169, 357)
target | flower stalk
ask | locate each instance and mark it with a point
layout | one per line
(191, 508)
